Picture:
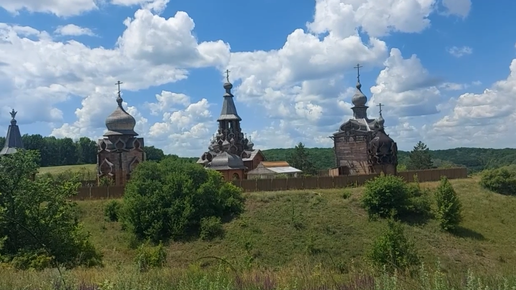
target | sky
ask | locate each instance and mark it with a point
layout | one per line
(444, 70)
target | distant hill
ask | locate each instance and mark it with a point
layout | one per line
(475, 159)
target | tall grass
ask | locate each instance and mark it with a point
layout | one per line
(226, 278)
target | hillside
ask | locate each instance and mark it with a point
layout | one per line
(282, 229)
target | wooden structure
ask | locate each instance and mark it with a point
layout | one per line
(361, 144)
(272, 169)
(230, 151)
(305, 183)
(120, 150)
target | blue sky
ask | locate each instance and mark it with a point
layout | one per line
(442, 68)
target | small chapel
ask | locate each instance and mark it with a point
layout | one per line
(230, 151)
(361, 144)
(13, 139)
(120, 150)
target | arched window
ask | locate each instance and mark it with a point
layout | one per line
(236, 176)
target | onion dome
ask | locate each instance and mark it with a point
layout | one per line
(120, 122)
(359, 99)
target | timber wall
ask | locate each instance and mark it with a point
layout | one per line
(316, 182)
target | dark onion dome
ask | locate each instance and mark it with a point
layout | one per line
(359, 99)
(120, 122)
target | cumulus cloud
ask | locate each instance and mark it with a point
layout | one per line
(302, 87)
(61, 8)
(42, 73)
(457, 7)
(460, 51)
(480, 119)
(73, 30)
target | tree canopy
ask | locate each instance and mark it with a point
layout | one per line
(38, 224)
(169, 199)
(420, 157)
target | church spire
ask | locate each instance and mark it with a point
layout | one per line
(359, 99)
(228, 112)
(13, 139)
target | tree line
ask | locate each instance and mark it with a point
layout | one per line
(65, 151)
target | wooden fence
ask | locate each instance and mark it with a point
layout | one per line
(317, 182)
(327, 182)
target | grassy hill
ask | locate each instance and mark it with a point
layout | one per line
(281, 229)
(297, 234)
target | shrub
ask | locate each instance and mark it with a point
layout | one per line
(168, 200)
(38, 219)
(112, 210)
(211, 227)
(501, 180)
(384, 196)
(393, 250)
(448, 206)
(419, 202)
(150, 257)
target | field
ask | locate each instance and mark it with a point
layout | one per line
(303, 238)
(65, 168)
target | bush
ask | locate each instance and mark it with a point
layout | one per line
(448, 206)
(112, 210)
(211, 227)
(384, 196)
(393, 250)
(419, 200)
(168, 200)
(501, 180)
(150, 257)
(38, 219)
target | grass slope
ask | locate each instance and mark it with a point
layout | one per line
(282, 229)
(64, 168)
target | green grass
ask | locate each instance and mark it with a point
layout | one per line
(307, 237)
(73, 168)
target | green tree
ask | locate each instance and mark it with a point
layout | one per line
(448, 206)
(420, 157)
(86, 151)
(38, 222)
(168, 200)
(300, 159)
(153, 153)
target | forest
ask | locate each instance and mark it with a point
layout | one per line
(65, 151)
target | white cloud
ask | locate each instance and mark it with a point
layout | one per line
(73, 30)
(156, 6)
(61, 8)
(299, 87)
(481, 119)
(457, 7)
(460, 51)
(42, 73)
(406, 87)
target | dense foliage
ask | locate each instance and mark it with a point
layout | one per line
(65, 151)
(393, 250)
(420, 157)
(389, 196)
(300, 158)
(448, 206)
(168, 200)
(501, 180)
(56, 152)
(38, 224)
